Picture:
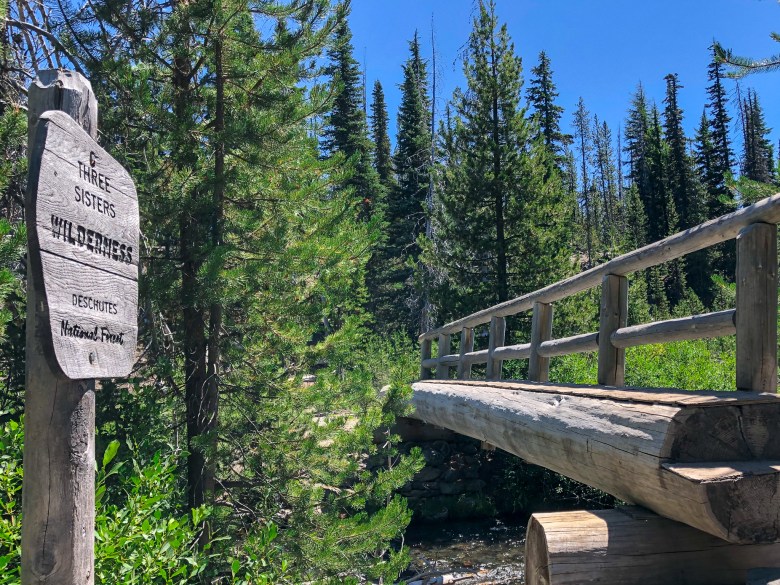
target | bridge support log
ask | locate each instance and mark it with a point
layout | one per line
(633, 545)
(708, 459)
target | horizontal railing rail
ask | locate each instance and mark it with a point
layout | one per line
(755, 229)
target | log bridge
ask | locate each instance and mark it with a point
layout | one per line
(704, 466)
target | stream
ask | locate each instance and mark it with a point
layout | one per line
(484, 551)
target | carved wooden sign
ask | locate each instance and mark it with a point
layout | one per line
(83, 231)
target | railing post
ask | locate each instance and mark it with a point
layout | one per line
(613, 316)
(757, 308)
(497, 332)
(541, 330)
(442, 371)
(466, 345)
(425, 354)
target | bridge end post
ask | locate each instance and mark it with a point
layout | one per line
(444, 345)
(613, 316)
(425, 354)
(756, 316)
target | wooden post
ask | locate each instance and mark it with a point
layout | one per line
(425, 354)
(757, 308)
(541, 330)
(497, 332)
(613, 316)
(466, 346)
(443, 371)
(59, 434)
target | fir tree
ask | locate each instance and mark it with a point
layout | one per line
(757, 160)
(584, 145)
(383, 162)
(720, 200)
(346, 132)
(547, 114)
(605, 180)
(499, 218)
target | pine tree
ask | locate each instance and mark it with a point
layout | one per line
(499, 217)
(253, 272)
(588, 204)
(605, 181)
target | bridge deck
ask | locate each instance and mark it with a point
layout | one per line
(709, 459)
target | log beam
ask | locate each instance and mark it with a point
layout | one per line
(633, 545)
(707, 459)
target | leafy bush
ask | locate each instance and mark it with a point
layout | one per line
(11, 434)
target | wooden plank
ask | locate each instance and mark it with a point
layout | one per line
(425, 356)
(466, 346)
(541, 331)
(58, 506)
(757, 308)
(668, 396)
(567, 345)
(496, 340)
(697, 238)
(625, 448)
(632, 545)
(613, 316)
(716, 324)
(442, 369)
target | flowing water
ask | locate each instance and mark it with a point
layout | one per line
(486, 551)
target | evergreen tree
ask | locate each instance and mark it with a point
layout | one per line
(383, 162)
(499, 217)
(720, 200)
(757, 158)
(252, 276)
(588, 204)
(605, 180)
(541, 96)
(346, 132)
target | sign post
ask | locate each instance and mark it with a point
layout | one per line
(82, 296)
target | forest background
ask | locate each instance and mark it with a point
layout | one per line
(285, 235)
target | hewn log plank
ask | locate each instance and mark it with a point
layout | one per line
(693, 327)
(633, 545)
(757, 308)
(466, 346)
(496, 340)
(58, 506)
(541, 331)
(702, 236)
(613, 316)
(520, 351)
(623, 442)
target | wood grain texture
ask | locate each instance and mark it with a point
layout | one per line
(696, 238)
(757, 308)
(704, 326)
(623, 445)
(466, 346)
(613, 315)
(89, 253)
(582, 343)
(634, 546)
(443, 368)
(541, 331)
(496, 340)
(425, 355)
(58, 504)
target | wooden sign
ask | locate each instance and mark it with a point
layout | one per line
(84, 210)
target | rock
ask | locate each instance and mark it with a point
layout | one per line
(436, 453)
(427, 473)
(454, 488)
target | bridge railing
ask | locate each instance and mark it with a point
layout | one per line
(754, 320)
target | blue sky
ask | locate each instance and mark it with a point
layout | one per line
(599, 49)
